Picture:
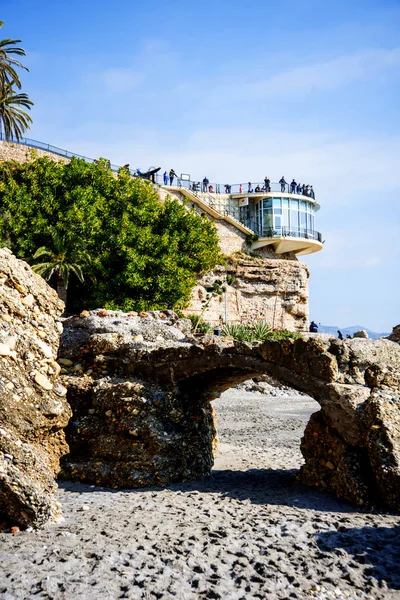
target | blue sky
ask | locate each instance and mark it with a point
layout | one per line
(236, 91)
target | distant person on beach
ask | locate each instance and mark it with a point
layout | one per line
(313, 327)
(267, 184)
(293, 187)
(283, 183)
(339, 334)
(205, 184)
(165, 176)
(172, 174)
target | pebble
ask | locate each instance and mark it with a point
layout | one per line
(28, 300)
(138, 338)
(43, 381)
(4, 350)
(65, 362)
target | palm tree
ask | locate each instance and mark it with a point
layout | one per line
(13, 119)
(8, 64)
(62, 260)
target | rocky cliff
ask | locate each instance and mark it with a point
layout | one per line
(33, 408)
(141, 389)
(257, 289)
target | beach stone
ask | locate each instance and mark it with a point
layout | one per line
(155, 404)
(32, 417)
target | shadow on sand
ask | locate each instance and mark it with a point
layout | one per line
(261, 486)
(378, 548)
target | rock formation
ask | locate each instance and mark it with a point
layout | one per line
(395, 335)
(141, 388)
(33, 408)
(258, 288)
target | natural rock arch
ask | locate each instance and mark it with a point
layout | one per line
(151, 421)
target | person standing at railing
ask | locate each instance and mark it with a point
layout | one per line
(172, 174)
(249, 188)
(267, 184)
(240, 189)
(299, 188)
(283, 183)
(227, 188)
(205, 184)
(165, 177)
(312, 194)
(293, 187)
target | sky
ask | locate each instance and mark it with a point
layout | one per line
(235, 91)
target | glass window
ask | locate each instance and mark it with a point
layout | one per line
(285, 218)
(303, 220)
(294, 219)
(303, 205)
(267, 203)
(294, 204)
(285, 202)
(276, 202)
(278, 221)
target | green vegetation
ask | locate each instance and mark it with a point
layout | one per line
(63, 258)
(260, 332)
(143, 254)
(217, 289)
(13, 119)
(199, 325)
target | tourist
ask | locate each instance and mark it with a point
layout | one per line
(267, 184)
(339, 334)
(210, 189)
(249, 188)
(306, 190)
(257, 188)
(348, 336)
(227, 188)
(172, 174)
(313, 327)
(312, 194)
(165, 178)
(293, 187)
(240, 189)
(299, 188)
(205, 184)
(283, 183)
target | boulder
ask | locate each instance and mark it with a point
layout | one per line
(361, 334)
(395, 335)
(33, 407)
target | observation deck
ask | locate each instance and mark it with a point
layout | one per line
(277, 218)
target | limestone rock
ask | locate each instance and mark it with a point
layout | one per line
(155, 403)
(274, 290)
(395, 335)
(361, 334)
(32, 416)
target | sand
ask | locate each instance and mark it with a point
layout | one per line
(247, 531)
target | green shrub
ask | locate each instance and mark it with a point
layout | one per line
(260, 332)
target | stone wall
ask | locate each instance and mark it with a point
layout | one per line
(262, 289)
(20, 153)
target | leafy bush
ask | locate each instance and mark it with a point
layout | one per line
(144, 254)
(199, 325)
(260, 332)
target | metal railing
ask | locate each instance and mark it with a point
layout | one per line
(257, 187)
(60, 152)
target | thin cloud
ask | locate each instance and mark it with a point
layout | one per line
(122, 79)
(328, 75)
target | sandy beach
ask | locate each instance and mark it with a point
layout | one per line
(248, 531)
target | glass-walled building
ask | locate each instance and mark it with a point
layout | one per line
(277, 217)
